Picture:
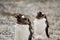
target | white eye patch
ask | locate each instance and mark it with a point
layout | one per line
(23, 16)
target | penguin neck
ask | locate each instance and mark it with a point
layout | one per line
(42, 19)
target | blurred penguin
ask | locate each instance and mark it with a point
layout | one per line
(24, 26)
(40, 27)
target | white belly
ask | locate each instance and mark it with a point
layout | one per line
(22, 32)
(39, 28)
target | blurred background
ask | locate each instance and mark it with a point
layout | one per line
(29, 7)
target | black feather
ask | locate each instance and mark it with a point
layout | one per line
(47, 27)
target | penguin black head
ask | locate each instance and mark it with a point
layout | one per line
(39, 15)
(21, 19)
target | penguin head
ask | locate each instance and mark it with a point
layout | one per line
(22, 19)
(39, 15)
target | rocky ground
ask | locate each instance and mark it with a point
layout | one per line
(28, 7)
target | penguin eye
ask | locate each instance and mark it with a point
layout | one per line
(23, 18)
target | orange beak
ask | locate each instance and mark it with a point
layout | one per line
(15, 15)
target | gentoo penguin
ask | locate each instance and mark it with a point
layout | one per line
(22, 20)
(40, 27)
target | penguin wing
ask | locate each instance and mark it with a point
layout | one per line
(47, 26)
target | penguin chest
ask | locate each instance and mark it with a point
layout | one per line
(22, 32)
(39, 25)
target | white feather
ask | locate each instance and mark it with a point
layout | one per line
(22, 32)
(23, 16)
(39, 28)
